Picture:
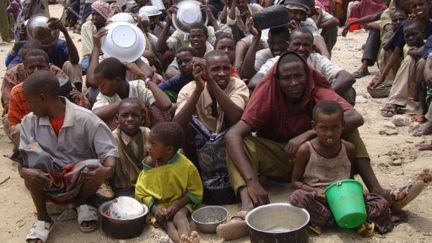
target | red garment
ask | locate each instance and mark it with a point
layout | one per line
(18, 106)
(367, 7)
(267, 111)
(56, 123)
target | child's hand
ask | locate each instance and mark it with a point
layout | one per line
(159, 215)
(320, 196)
(171, 211)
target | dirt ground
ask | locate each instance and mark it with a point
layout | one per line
(394, 158)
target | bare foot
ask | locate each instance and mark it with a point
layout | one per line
(193, 238)
(184, 239)
(423, 147)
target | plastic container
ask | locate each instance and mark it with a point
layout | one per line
(124, 41)
(354, 26)
(346, 202)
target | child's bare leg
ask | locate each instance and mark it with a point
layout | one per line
(172, 231)
(181, 222)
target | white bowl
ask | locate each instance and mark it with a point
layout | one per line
(150, 11)
(123, 41)
(188, 13)
(123, 17)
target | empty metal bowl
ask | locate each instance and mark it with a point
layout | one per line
(278, 222)
(208, 218)
(37, 28)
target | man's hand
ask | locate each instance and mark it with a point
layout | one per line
(98, 36)
(56, 24)
(170, 13)
(345, 29)
(35, 178)
(98, 173)
(133, 68)
(257, 193)
(79, 98)
(252, 29)
(378, 79)
(292, 25)
(293, 145)
(199, 66)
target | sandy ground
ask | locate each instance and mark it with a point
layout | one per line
(394, 158)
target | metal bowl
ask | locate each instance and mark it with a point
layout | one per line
(37, 28)
(208, 218)
(121, 229)
(278, 222)
(188, 12)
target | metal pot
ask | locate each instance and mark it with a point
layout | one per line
(37, 28)
(277, 223)
(121, 229)
(208, 218)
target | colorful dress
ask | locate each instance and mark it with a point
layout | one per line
(164, 185)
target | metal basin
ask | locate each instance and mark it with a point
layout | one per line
(122, 229)
(37, 28)
(208, 218)
(278, 222)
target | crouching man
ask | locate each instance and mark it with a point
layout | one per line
(68, 152)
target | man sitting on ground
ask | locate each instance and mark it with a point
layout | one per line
(211, 104)
(62, 138)
(280, 112)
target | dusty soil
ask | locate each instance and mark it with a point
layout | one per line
(394, 159)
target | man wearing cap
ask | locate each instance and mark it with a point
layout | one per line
(101, 11)
(299, 11)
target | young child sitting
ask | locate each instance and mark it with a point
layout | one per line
(169, 183)
(133, 145)
(324, 160)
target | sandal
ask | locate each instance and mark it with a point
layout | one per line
(366, 229)
(39, 231)
(235, 228)
(412, 190)
(87, 214)
(316, 229)
(360, 73)
(389, 110)
(425, 129)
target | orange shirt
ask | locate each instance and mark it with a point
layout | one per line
(57, 123)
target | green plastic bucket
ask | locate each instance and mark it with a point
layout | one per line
(346, 202)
